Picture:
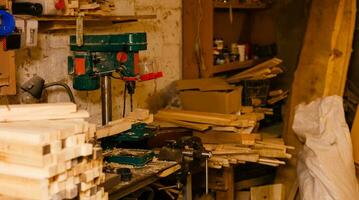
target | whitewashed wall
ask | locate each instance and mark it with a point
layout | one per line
(164, 35)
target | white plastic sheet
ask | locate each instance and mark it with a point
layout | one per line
(325, 165)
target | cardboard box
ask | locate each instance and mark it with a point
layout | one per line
(209, 95)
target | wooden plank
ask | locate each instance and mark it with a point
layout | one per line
(239, 5)
(194, 126)
(268, 192)
(40, 132)
(169, 171)
(258, 69)
(314, 76)
(7, 72)
(342, 42)
(228, 176)
(93, 17)
(234, 66)
(20, 109)
(13, 186)
(215, 137)
(198, 117)
(76, 115)
(113, 129)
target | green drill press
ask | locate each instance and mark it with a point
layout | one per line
(95, 62)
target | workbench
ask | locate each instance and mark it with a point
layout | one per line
(141, 177)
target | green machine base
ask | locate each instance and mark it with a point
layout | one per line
(135, 157)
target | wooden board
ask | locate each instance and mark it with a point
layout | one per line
(30, 112)
(254, 70)
(7, 73)
(216, 137)
(315, 75)
(197, 25)
(194, 126)
(114, 128)
(201, 117)
(342, 43)
(316, 56)
(268, 192)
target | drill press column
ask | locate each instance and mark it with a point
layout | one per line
(106, 99)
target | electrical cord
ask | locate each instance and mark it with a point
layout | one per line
(124, 102)
(67, 88)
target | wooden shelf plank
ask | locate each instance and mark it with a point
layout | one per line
(52, 18)
(239, 5)
(235, 65)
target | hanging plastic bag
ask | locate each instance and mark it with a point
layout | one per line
(325, 164)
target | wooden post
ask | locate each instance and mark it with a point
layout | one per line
(228, 176)
(188, 195)
(323, 64)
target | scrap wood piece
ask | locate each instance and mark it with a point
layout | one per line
(276, 99)
(169, 171)
(269, 143)
(114, 128)
(274, 161)
(198, 117)
(194, 126)
(275, 92)
(215, 137)
(30, 112)
(273, 192)
(266, 111)
(124, 124)
(246, 109)
(246, 130)
(273, 153)
(262, 68)
(41, 132)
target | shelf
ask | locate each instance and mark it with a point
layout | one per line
(239, 5)
(60, 18)
(235, 65)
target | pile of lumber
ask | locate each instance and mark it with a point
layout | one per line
(124, 124)
(276, 96)
(45, 153)
(202, 121)
(89, 7)
(265, 70)
(232, 148)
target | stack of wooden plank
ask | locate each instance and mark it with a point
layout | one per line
(232, 148)
(124, 124)
(204, 120)
(265, 70)
(276, 96)
(45, 153)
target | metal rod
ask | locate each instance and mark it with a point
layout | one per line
(131, 102)
(106, 99)
(206, 175)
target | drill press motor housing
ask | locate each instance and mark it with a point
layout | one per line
(101, 55)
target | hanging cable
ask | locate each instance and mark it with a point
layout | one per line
(124, 102)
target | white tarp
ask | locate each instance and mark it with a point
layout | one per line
(325, 165)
